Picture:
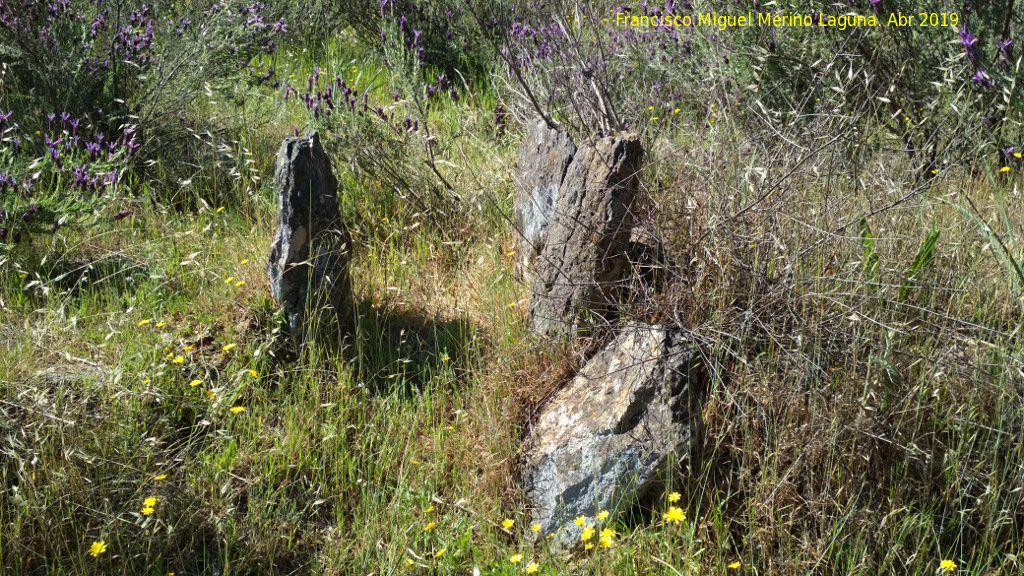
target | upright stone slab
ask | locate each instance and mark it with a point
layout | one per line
(610, 437)
(584, 258)
(544, 158)
(308, 264)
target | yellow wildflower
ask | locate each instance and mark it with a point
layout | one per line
(606, 542)
(429, 526)
(734, 566)
(195, 383)
(532, 568)
(244, 262)
(252, 373)
(428, 510)
(240, 283)
(674, 515)
(219, 210)
(143, 323)
(229, 279)
(161, 324)
(1017, 155)
(238, 409)
(151, 501)
(228, 347)
(588, 533)
(535, 527)
(580, 521)
(445, 358)
(147, 510)
(439, 553)
(178, 360)
(588, 546)
(189, 348)
(515, 558)
(602, 515)
(508, 523)
(947, 566)
(98, 547)
(160, 477)
(674, 497)
(1004, 169)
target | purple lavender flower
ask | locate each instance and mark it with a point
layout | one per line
(81, 175)
(280, 27)
(970, 42)
(1005, 47)
(981, 77)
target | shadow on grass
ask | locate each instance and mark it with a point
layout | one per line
(387, 349)
(407, 349)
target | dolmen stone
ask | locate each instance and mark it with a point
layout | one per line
(609, 439)
(583, 259)
(544, 158)
(309, 258)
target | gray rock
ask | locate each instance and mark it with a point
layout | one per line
(544, 158)
(309, 259)
(584, 258)
(68, 374)
(610, 437)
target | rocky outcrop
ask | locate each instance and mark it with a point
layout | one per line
(544, 158)
(309, 259)
(611, 436)
(584, 255)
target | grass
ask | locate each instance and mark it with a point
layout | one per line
(862, 419)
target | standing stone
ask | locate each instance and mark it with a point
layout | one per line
(544, 158)
(584, 258)
(609, 438)
(308, 265)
